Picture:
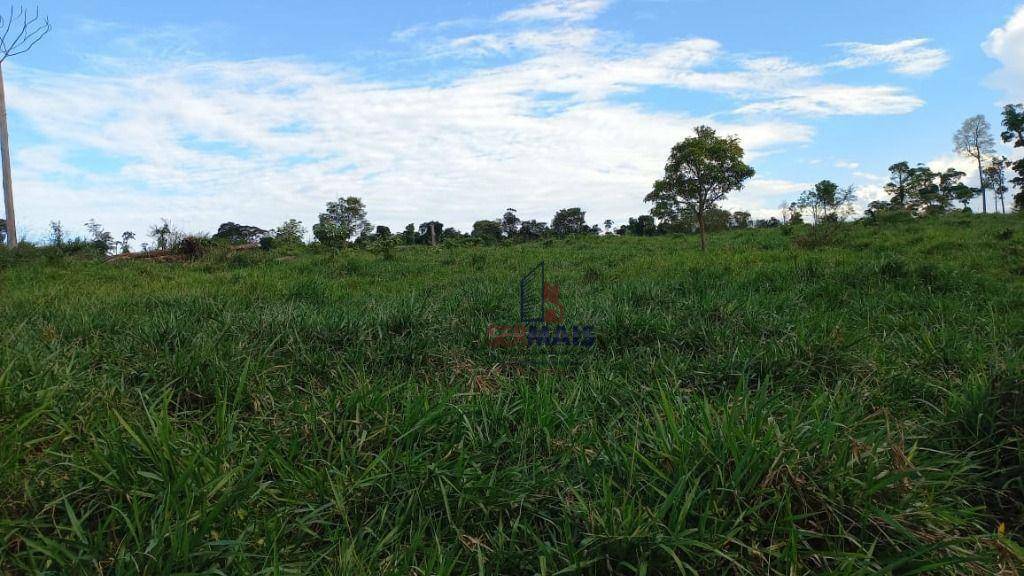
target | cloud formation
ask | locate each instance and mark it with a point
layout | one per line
(565, 10)
(911, 57)
(1006, 44)
(553, 124)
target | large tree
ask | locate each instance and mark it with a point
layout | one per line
(952, 189)
(239, 233)
(642, 226)
(430, 233)
(898, 187)
(1013, 132)
(488, 231)
(343, 221)
(510, 223)
(570, 221)
(701, 171)
(533, 230)
(974, 140)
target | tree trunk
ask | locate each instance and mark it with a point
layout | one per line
(981, 183)
(433, 236)
(700, 223)
(5, 152)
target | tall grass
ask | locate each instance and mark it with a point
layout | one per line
(759, 409)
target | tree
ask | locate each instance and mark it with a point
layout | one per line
(409, 235)
(570, 221)
(166, 235)
(964, 194)
(974, 140)
(701, 171)
(795, 215)
(684, 222)
(787, 209)
(717, 219)
(126, 237)
(952, 189)
(510, 223)
(898, 186)
(877, 207)
(291, 232)
(642, 226)
(741, 219)
(489, 231)
(533, 230)
(925, 195)
(995, 179)
(3, 231)
(239, 233)
(343, 220)
(608, 226)
(56, 234)
(21, 32)
(430, 233)
(383, 232)
(98, 237)
(1013, 123)
(827, 201)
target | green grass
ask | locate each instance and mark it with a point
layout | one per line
(759, 409)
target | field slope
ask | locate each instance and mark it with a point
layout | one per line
(761, 409)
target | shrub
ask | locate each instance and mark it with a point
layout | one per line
(194, 246)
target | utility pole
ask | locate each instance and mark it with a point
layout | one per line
(20, 32)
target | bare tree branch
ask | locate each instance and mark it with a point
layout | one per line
(30, 33)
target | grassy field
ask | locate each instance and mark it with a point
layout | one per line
(759, 409)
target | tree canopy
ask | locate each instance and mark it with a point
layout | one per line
(239, 233)
(570, 221)
(343, 221)
(701, 171)
(974, 139)
(1013, 133)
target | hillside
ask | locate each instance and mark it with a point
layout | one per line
(761, 408)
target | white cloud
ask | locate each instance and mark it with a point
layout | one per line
(911, 57)
(847, 165)
(267, 140)
(528, 40)
(566, 10)
(868, 176)
(838, 100)
(1006, 44)
(868, 193)
(968, 166)
(205, 141)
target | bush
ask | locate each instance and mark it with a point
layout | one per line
(385, 246)
(818, 236)
(890, 217)
(194, 246)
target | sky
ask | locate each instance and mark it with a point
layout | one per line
(257, 112)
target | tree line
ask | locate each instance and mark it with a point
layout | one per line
(700, 173)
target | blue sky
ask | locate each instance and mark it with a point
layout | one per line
(257, 112)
